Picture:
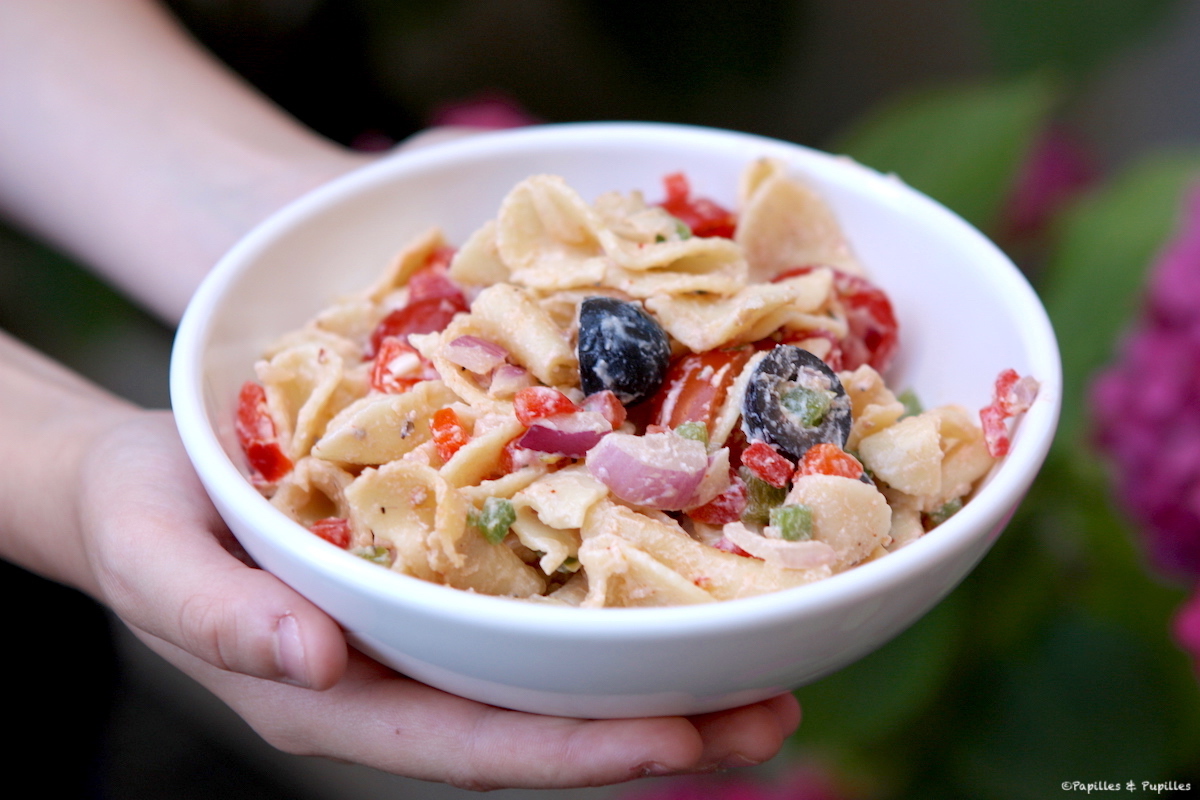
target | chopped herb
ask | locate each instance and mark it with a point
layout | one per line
(693, 430)
(494, 519)
(659, 239)
(682, 229)
(761, 497)
(912, 406)
(935, 518)
(794, 521)
(569, 565)
(809, 405)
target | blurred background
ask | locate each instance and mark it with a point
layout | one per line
(1069, 131)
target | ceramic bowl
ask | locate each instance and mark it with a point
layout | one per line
(965, 314)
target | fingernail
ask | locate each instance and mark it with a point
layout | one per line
(653, 769)
(737, 761)
(290, 652)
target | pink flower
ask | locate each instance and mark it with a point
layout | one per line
(1146, 408)
(491, 109)
(1055, 170)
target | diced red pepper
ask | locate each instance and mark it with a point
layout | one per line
(725, 507)
(1012, 396)
(827, 458)
(702, 216)
(449, 435)
(334, 530)
(257, 436)
(767, 464)
(537, 402)
(398, 367)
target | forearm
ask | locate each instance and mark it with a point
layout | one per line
(50, 417)
(127, 145)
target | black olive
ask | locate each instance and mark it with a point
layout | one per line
(621, 348)
(793, 401)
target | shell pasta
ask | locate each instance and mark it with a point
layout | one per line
(616, 402)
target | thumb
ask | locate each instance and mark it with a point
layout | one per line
(165, 563)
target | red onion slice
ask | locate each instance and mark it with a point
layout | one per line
(478, 355)
(658, 470)
(508, 379)
(566, 434)
(810, 554)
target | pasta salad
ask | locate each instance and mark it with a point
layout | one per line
(616, 403)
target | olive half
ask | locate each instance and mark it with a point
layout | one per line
(794, 400)
(621, 348)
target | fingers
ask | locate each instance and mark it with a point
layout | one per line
(378, 718)
(152, 538)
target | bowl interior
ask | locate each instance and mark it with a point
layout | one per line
(965, 312)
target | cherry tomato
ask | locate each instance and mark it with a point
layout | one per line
(449, 435)
(827, 458)
(702, 216)
(767, 465)
(398, 367)
(334, 530)
(536, 402)
(696, 385)
(430, 315)
(257, 436)
(872, 337)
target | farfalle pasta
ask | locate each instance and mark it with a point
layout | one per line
(616, 403)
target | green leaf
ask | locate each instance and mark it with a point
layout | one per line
(1084, 705)
(1073, 36)
(1093, 282)
(961, 145)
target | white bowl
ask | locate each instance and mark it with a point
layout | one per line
(965, 314)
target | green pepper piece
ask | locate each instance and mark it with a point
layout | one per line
(693, 430)
(761, 497)
(808, 405)
(912, 405)
(794, 521)
(376, 555)
(494, 519)
(940, 515)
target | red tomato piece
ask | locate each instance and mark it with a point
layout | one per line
(398, 367)
(725, 507)
(873, 331)
(430, 315)
(257, 436)
(702, 216)
(607, 405)
(449, 435)
(536, 402)
(767, 465)
(432, 280)
(827, 458)
(334, 530)
(695, 386)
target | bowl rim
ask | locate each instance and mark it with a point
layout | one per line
(223, 479)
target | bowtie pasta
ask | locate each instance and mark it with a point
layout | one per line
(619, 403)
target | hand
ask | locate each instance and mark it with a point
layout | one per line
(164, 562)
